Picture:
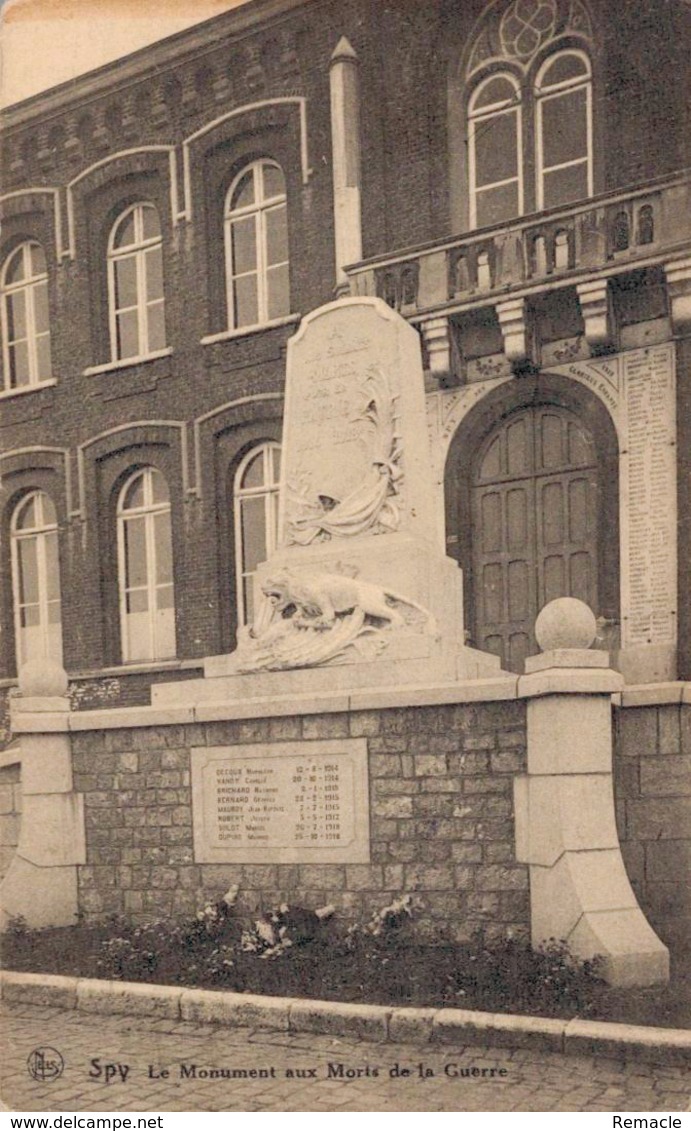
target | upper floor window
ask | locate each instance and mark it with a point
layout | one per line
(135, 284)
(36, 580)
(145, 568)
(256, 246)
(255, 498)
(521, 112)
(564, 130)
(25, 326)
(495, 144)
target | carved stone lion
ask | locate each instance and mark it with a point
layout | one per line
(319, 597)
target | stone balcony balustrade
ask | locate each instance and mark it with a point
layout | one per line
(582, 246)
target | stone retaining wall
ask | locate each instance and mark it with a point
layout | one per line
(441, 816)
(653, 791)
(441, 819)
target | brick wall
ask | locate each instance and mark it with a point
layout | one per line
(653, 791)
(122, 690)
(441, 819)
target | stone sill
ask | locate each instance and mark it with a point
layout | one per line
(653, 695)
(41, 717)
(126, 362)
(12, 756)
(138, 669)
(6, 394)
(119, 670)
(248, 331)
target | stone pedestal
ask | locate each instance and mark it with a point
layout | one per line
(565, 819)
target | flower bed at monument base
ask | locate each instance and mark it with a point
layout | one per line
(298, 953)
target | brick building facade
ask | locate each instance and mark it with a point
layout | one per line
(173, 126)
(512, 177)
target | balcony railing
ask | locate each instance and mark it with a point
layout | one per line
(604, 235)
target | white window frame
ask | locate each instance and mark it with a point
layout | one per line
(547, 94)
(148, 512)
(29, 284)
(260, 208)
(269, 490)
(43, 530)
(479, 120)
(136, 251)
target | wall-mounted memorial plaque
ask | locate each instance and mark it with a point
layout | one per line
(649, 514)
(288, 803)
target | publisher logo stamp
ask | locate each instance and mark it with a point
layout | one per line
(45, 1063)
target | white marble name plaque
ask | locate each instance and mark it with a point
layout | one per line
(286, 803)
(649, 520)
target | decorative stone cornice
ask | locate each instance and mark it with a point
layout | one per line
(169, 53)
(679, 289)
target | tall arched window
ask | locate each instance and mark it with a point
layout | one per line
(145, 568)
(521, 103)
(564, 143)
(256, 243)
(135, 284)
(255, 499)
(36, 580)
(495, 151)
(25, 326)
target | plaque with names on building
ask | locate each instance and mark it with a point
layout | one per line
(288, 803)
(650, 519)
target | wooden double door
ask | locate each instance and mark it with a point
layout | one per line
(534, 503)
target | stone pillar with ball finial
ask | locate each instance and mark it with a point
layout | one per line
(564, 806)
(40, 885)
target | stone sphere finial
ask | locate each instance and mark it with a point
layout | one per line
(565, 623)
(42, 679)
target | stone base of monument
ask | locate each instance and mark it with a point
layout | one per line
(421, 645)
(309, 682)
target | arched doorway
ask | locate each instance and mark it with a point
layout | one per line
(532, 511)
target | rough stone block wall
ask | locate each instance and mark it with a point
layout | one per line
(441, 820)
(653, 794)
(10, 813)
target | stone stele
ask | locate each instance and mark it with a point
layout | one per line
(360, 592)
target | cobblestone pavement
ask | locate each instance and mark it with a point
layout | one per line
(304, 1072)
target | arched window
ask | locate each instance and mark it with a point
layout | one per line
(564, 141)
(256, 242)
(25, 326)
(255, 498)
(36, 580)
(135, 284)
(494, 134)
(145, 568)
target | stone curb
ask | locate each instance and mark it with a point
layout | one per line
(361, 1022)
